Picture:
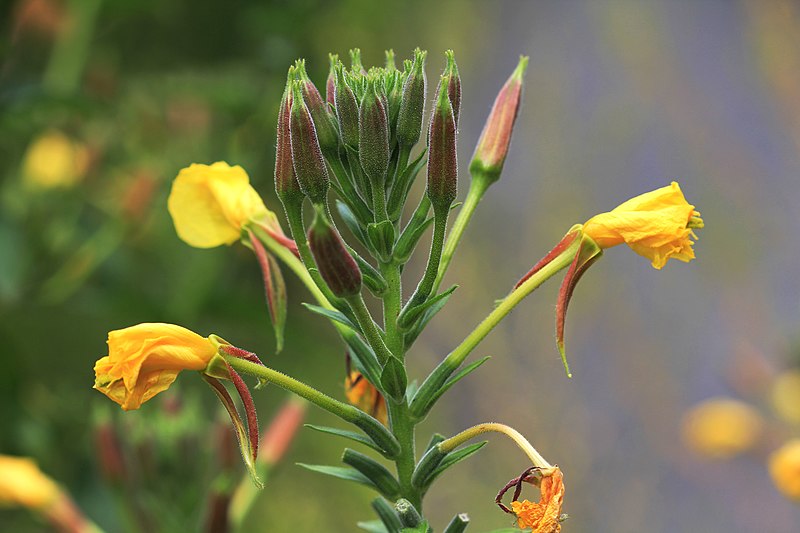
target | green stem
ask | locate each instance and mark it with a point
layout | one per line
(402, 424)
(425, 286)
(379, 201)
(447, 446)
(352, 198)
(449, 364)
(346, 412)
(294, 264)
(295, 217)
(477, 188)
(371, 332)
(392, 299)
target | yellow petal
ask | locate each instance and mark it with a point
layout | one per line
(22, 483)
(209, 204)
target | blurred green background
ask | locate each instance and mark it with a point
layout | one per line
(621, 97)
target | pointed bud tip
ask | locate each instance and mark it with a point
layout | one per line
(522, 66)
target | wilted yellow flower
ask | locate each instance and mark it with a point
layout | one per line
(54, 160)
(22, 483)
(365, 396)
(210, 204)
(786, 396)
(657, 225)
(145, 359)
(784, 467)
(720, 428)
(544, 516)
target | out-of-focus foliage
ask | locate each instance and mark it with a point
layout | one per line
(101, 103)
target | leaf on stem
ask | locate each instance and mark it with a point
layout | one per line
(352, 435)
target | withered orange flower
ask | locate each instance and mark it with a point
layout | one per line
(363, 394)
(544, 516)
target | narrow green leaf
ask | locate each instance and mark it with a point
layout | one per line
(378, 475)
(341, 472)
(437, 306)
(372, 278)
(336, 316)
(363, 357)
(352, 435)
(422, 528)
(409, 317)
(453, 458)
(374, 526)
(458, 524)
(352, 223)
(388, 515)
(424, 405)
(381, 236)
(397, 197)
(394, 379)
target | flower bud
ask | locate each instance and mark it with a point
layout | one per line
(329, 83)
(412, 104)
(346, 108)
(453, 81)
(390, 66)
(490, 153)
(373, 144)
(286, 185)
(327, 134)
(355, 61)
(442, 163)
(336, 266)
(309, 165)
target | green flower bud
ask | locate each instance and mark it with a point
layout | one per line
(442, 162)
(286, 184)
(453, 84)
(335, 264)
(412, 104)
(346, 108)
(373, 144)
(327, 133)
(309, 165)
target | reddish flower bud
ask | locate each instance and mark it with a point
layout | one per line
(286, 184)
(309, 165)
(453, 81)
(412, 104)
(346, 108)
(327, 133)
(329, 83)
(442, 162)
(490, 153)
(373, 144)
(336, 266)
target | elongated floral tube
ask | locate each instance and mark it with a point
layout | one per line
(143, 360)
(210, 204)
(657, 225)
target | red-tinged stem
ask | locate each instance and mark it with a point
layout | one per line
(241, 353)
(557, 250)
(282, 239)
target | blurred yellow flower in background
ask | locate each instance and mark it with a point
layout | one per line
(54, 160)
(784, 467)
(657, 225)
(23, 484)
(145, 359)
(786, 396)
(720, 428)
(210, 204)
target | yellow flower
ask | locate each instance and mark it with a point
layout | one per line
(210, 205)
(784, 467)
(145, 359)
(786, 396)
(22, 483)
(545, 516)
(365, 396)
(54, 160)
(657, 225)
(721, 428)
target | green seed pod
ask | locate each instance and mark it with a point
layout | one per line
(412, 104)
(336, 266)
(309, 165)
